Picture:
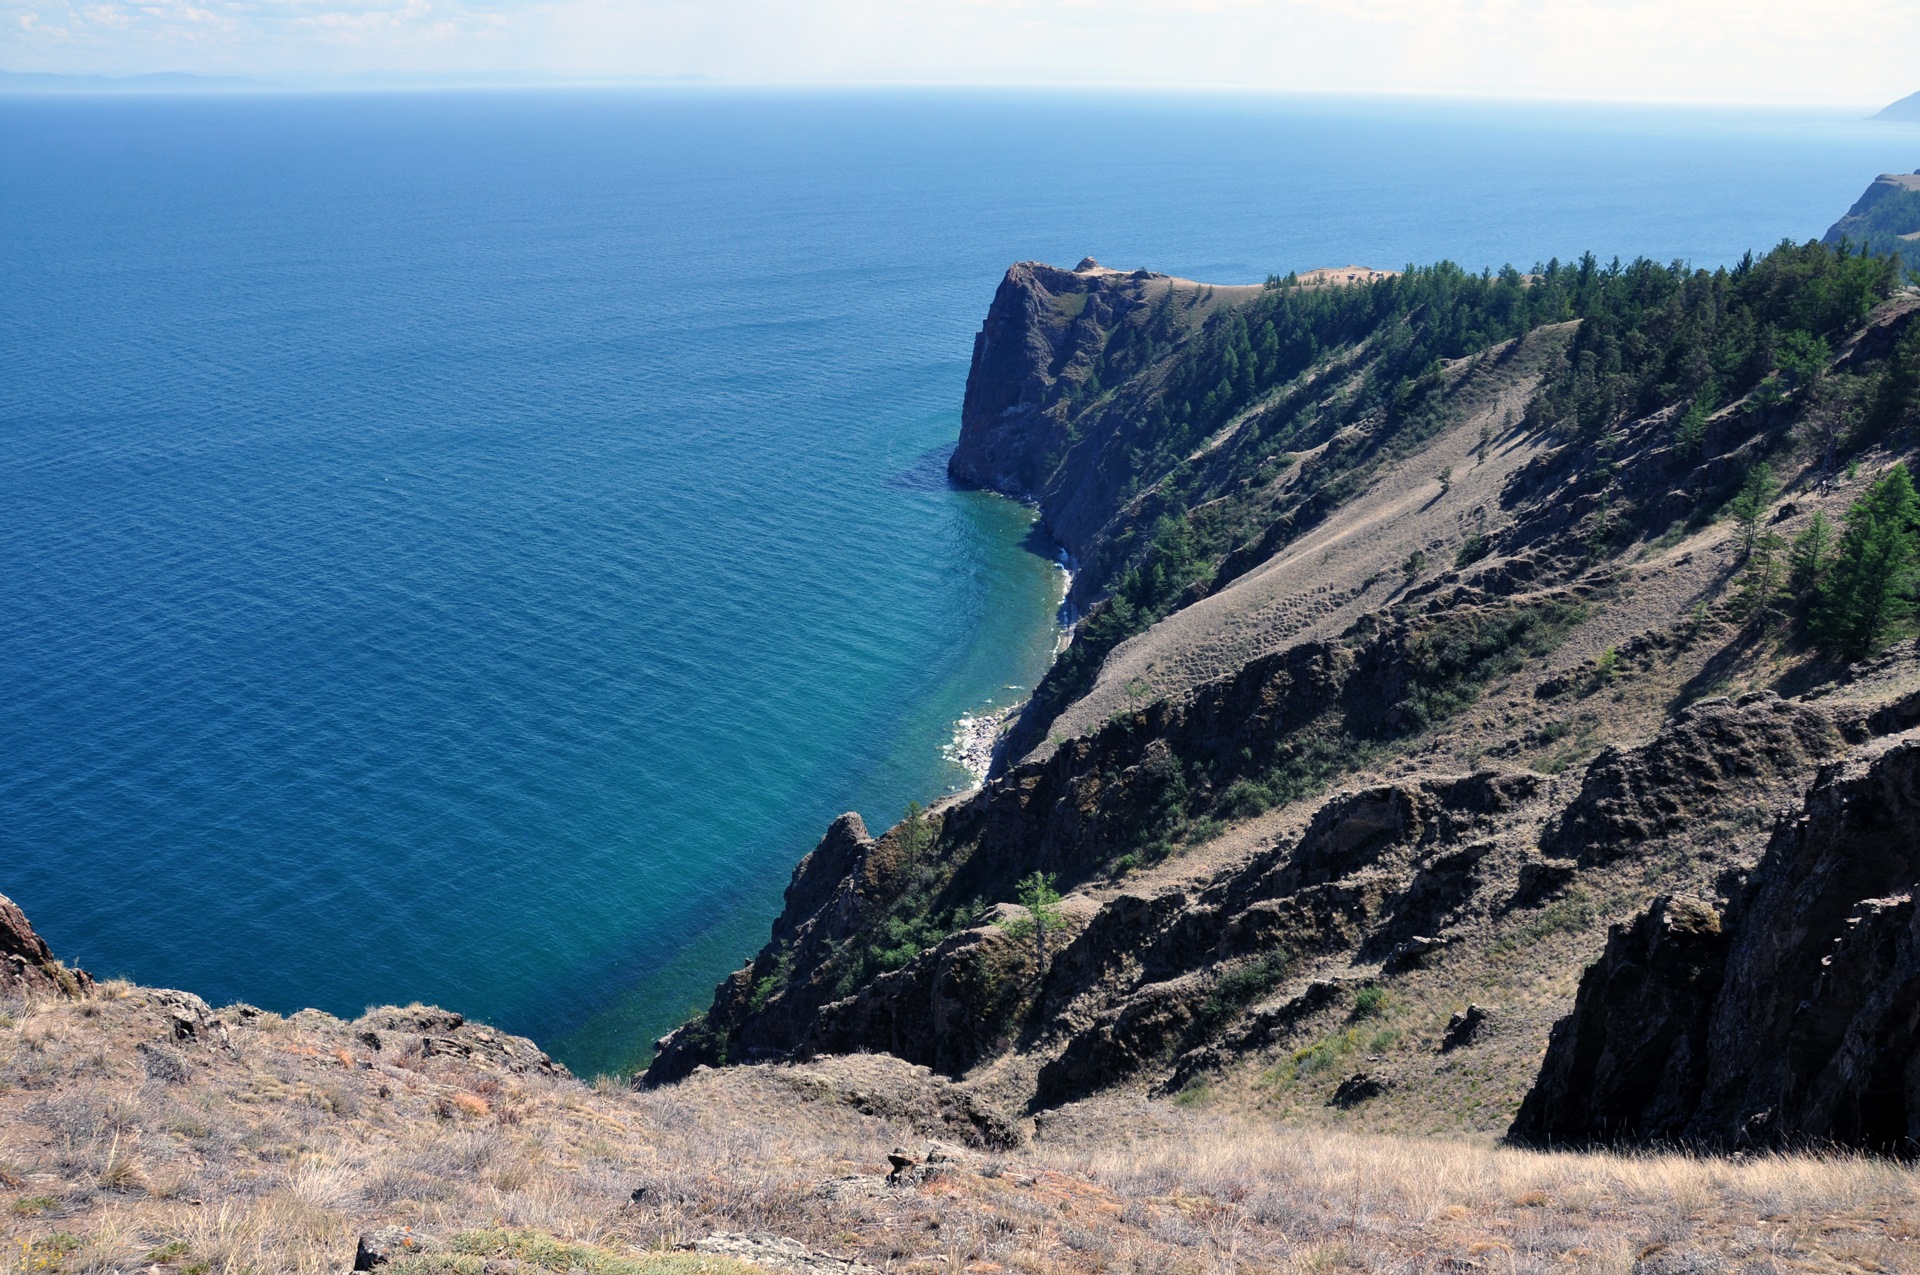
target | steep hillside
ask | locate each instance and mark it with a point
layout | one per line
(1496, 706)
(1428, 633)
(1886, 219)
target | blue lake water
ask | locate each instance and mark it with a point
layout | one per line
(465, 547)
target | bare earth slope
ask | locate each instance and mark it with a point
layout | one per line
(1353, 562)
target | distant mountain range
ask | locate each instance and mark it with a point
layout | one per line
(1907, 108)
(162, 82)
(182, 82)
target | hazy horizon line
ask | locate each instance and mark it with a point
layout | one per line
(187, 82)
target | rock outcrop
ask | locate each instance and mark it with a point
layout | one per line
(1791, 1017)
(27, 965)
(1705, 759)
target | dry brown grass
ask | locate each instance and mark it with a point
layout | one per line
(293, 1136)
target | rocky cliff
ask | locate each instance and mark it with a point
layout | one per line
(1886, 218)
(1448, 746)
(1787, 1015)
(1416, 658)
(1067, 370)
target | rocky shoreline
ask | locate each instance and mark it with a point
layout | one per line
(975, 736)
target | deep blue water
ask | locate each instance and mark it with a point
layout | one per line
(466, 547)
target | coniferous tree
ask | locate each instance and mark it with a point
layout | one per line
(1760, 584)
(1807, 561)
(1868, 592)
(1747, 508)
(1691, 430)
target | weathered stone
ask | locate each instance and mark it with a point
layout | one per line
(1616, 1066)
(1711, 752)
(444, 1034)
(1542, 879)
(377, 1248)
(1463, 1028)
(27, 964)
(1358, 1088)
(778, 1253)
(1414, 952)
(1796, 1020)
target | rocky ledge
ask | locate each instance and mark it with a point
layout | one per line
(1788, 1016)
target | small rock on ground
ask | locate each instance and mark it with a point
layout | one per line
(778, 1253)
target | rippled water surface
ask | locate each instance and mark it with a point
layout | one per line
(466, 547)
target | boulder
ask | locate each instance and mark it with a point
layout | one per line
(1463, 1028)
(1358, 1088)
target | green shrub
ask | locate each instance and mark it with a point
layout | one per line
(1241, 985)
(774, 983)
(1243, 800)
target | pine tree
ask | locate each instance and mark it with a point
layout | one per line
(1040, 898)
(1756, 493)
(1760, 584)
(1869, 589)
(1810, 556)
(1691, 431)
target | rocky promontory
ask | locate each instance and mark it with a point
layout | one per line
(1419, 657)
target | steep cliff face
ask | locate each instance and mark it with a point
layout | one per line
(1036, 346)
(1790, 1016)
(1062, 368)
(1886, 218)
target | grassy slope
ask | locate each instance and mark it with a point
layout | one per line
(288, 1139)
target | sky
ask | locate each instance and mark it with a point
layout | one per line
(1866, 52)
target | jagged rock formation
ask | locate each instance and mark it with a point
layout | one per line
(1791, 1016)
(27, 964)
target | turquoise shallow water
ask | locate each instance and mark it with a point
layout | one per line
(466, 547)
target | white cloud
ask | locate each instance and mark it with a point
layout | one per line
(1766, 50)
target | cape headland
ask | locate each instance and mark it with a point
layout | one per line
(1492, 721)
